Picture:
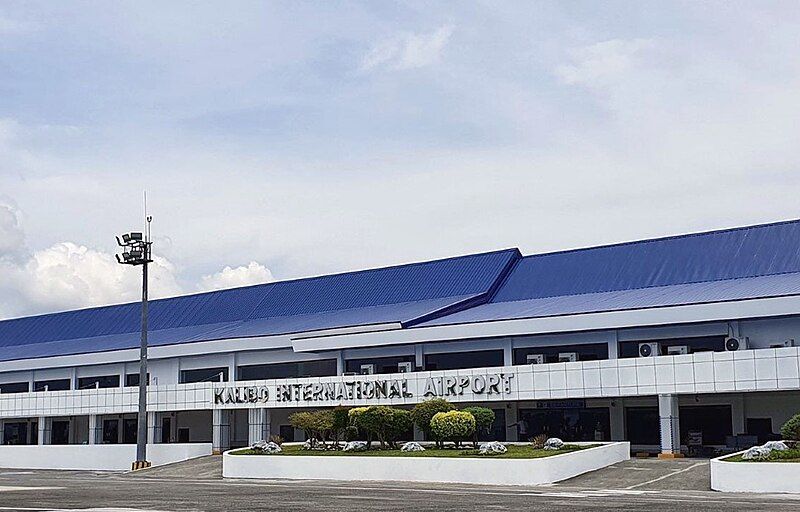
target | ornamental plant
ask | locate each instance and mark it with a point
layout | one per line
(317, 425)
(455, 426)
(423, 413)
(790, 431)
(484, 419)
(385, 424)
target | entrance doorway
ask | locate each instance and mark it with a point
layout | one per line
(570, 424)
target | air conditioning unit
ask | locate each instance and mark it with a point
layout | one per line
(649, 349)
(733, 343)
(567, 357)
(782, 344)
(367, 369)
(677, 350)
(535, 358)
(404, 367)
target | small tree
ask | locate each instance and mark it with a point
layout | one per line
(341, 420)
(790, 431)
(382, 423)
(484, 419)
(317, 425)
(423, 413)
(304, 421)
(455, 426)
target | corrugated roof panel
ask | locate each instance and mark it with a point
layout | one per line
(729, 254)
(661, 296)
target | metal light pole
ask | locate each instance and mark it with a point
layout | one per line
(137, 250)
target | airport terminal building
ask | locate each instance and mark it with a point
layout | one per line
(674, 344)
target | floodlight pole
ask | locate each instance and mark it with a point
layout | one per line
(141, 437)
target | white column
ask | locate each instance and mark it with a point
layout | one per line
(668, 413)
(340, 364)
(508, 353)
(45, 429)
(257, 426)
(220, 431)
(419, 356)
(617, 417)
(94, 429)
(613, 347)
(153, 428)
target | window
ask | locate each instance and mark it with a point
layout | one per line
(104, 381)
(204, 375)
(698, 344)
(287, 433)
(712, 421)
(111, 431)
(321, 368)
(587, 352)
(16, 432)
(382, 364)
(457, 360)
(52, 385)
(577, 424)
(132, 379)
(14, 387)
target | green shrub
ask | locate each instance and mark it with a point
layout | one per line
(484, 419)
(790, 431)
(385, 424)
(423, 413)
(341, 421)
(455, 426)
(317, 425)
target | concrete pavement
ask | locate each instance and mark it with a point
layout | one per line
(197, 485)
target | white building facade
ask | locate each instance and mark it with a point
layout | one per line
(684, 344)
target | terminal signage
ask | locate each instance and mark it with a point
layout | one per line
(367, 389)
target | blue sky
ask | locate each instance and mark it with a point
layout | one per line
(284, 139)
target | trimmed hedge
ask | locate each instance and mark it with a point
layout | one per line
(455, 426)
(484, 419)
(385, 424)
(423, 413)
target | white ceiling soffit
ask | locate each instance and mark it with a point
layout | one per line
(753, 308)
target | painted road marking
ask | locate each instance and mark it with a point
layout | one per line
(684, 470)
(8, 488)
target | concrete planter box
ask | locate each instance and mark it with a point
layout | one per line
(771, 477)
(95, 457)
(486, 470)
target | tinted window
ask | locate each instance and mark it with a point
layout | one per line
(132, 379)
(456, 360)
(588, 352)
(14, 387)
(51, 385)
(321, 368)
(204, 375)
(104, 381)
(382, 364)
(642, 425)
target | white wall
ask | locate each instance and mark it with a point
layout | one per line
(762, 477)
(490, 471)
(95, 457)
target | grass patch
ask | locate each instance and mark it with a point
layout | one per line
(791, 455)
(514, 452)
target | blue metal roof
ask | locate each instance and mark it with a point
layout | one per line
(392, 294)
(732, 264)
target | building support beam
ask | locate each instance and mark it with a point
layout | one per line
(340, 364)
(94, 429)
(668, 415)
(508, 353)
(153, 428)
(258, 426)
(220, 431)
(45, 426)
(617, 413)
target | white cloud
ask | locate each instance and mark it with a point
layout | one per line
(603, 62)
(408, 50)
(12, 237)
(253, 273)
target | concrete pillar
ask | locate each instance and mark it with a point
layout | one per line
(617, 417)
(94, 429)
(153, 428)
(512, 430)
(45, 426)
(340, 364)
(419, 356)
(668, 413)
(220, 431)
(257, 429)
(508, 353)
(613, 347)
